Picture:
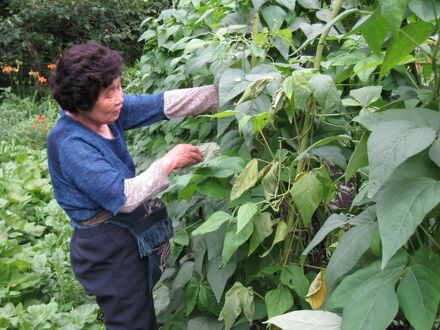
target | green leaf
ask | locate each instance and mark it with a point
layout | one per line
(274, 16)
(255, 88)
(289, 4)
(213, 223)
(390, 144)
(246, 180)
(233, 240)
(340, 297)
(410, 37)
(218, 276)
(205, 323)
(293, 277)
(231, 84)
(278, 301)
(213, 188)
(425, 9)
(329, 189)
(183, 276)
(359, 157)
(238, 299)
(280, 235)
(223, 114)
(322, 142)
(307, 320)
(262, 229)
(401, 207)
(366, 95)
(325, 92)
(270, 180)
(334, 221)
(392, 12)
(421, 116)
(307, 193)
(258, 3)
(378, 307)
(373, 29)
(434, 152)
(206, 300)
(181, 237)
(191, 294)
(419, 296)
(309, 4)
(348, 252)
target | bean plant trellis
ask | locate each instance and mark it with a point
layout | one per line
(325, 196)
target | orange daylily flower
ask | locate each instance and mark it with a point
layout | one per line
(42, 80)
(51, 66)
(7, 69)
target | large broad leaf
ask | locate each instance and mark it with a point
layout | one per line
(213, 223)
(434, 152)
(278, 301)
(233, 240)
(309, 4)
(293, 277)
(262, 229)
(274, 16)
(246, 180)
(238, 299)
(218, 276)
(350, 283)
(307, 320)
(401, 207)
(390, 144)
(421, 116)
(425, 9)
(419, 296)
(410, 37)
(245, 214)
(280, 235)
(325, 92)
(307, 192)
(359, 157)
(348, 252)
(373, 29)
(191, 294)
(366, 95)
(392, 12)
(372, 306)
(334, 221)
(232, 83)
(183, 276)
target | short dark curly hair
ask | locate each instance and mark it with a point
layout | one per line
(81, 73)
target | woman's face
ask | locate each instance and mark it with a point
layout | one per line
(109, 104)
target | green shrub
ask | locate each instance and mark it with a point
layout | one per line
(36, 32)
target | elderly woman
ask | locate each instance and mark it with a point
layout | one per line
(120, 240)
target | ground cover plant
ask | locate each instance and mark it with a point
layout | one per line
(325, 195)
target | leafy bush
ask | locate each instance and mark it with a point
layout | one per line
(326, 194)
(37, 32)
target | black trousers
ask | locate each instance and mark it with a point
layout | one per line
(106, 261)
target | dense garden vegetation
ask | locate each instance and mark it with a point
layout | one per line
(324, 197)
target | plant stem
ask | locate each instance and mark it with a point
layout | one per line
(321, 43)
(254, 36)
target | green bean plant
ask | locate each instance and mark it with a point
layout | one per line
(322, 208)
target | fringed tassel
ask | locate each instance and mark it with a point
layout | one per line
(156, 235)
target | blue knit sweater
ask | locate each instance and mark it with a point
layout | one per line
(88, 170)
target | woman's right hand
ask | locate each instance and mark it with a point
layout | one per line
(180, 156)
